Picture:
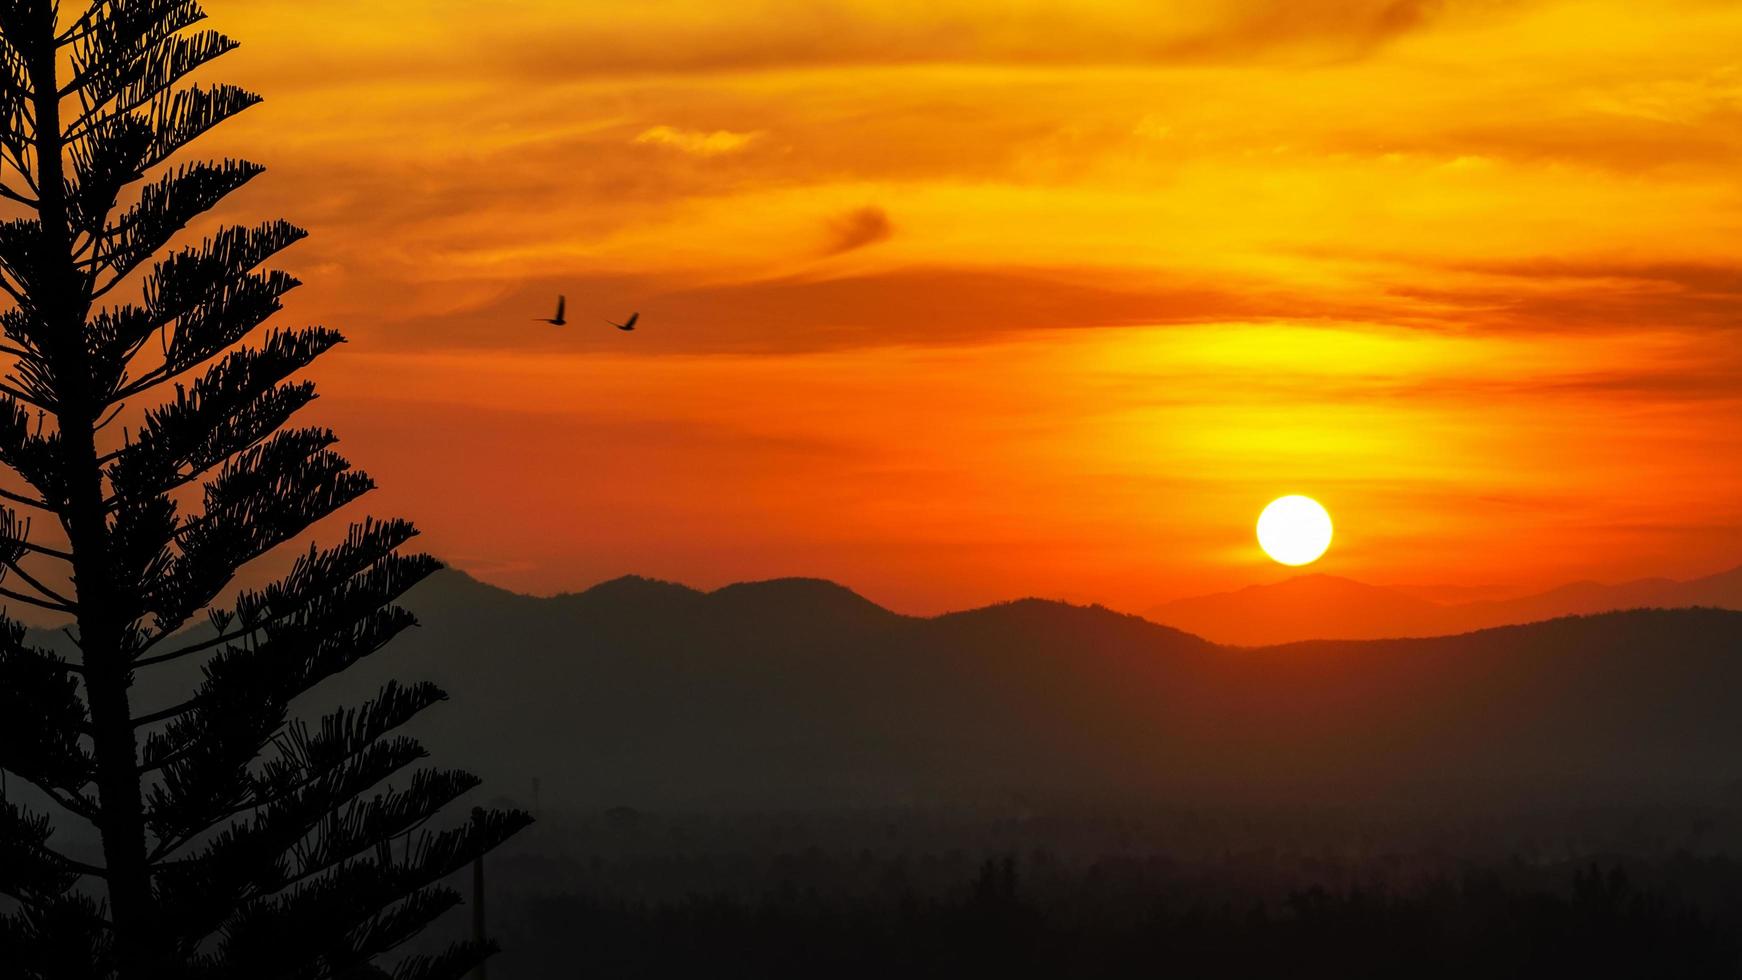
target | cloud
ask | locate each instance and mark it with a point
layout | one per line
(696, 142)
(1561, 295)
(1346, 29)
(791, 34)
(554, 40)
(940, 305)
(858, 228)
(909, 306)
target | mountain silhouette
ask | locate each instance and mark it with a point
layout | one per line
(1318, 606)
(799, 692)
(1304, 607)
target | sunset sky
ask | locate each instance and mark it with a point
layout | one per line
(958, 301)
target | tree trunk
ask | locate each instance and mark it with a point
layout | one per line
(107, 678)
(139, 950)
(479, 933)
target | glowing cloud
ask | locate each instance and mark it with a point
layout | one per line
(696, 142)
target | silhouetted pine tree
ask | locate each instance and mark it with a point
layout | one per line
(235, 841)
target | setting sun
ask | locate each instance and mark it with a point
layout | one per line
(1294, 530)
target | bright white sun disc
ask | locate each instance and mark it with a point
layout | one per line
(1294, 530)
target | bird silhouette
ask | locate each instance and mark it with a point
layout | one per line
(558, 320)
(628, 324)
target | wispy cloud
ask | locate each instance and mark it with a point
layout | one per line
(712, 37)
(697, 142)
(553, 40)
(858, 228)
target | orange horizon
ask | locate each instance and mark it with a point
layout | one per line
(1448, 595)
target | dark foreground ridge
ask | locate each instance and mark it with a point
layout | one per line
(802, 693)
(781, 779)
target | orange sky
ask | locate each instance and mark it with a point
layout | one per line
(955, 301)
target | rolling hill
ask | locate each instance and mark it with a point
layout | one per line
(801, 693)
(1308, 607)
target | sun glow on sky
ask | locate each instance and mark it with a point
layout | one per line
(955, 301)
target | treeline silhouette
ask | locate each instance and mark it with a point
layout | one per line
(1625, 891)
(1033, 916)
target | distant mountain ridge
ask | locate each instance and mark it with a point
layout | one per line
(798, 692)
(1310, 607)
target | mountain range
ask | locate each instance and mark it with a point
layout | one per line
(1309, 607)
(798, 693)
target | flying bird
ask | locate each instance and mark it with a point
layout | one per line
(628, 324)
(558, 320)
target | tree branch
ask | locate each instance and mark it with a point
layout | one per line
(19, 498)
(179, 652)
(6, 389)
(38, 586)
(66, 799)
(47, 552)
(7, 192)
(170, 712)
(32, 600)
(100, 426)
(17, 297)
(16, 159)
